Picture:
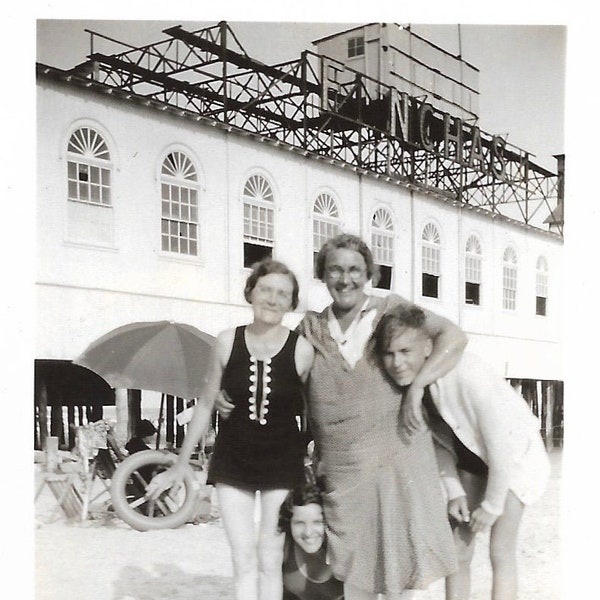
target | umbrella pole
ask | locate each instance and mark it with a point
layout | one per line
(160, 419)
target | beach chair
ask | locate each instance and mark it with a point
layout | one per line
(63, 484)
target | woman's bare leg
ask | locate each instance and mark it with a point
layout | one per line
(237, 511)
(270, 546)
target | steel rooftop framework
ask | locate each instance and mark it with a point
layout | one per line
(207, 75)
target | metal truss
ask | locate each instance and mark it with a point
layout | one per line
(300, 104)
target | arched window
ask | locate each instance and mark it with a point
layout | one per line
(179, 201)
(509, 279)
(541, 286)
(259, 213)
(382, 244)
(430, 261)
(326, 223)
(89, 176)
(473, 270)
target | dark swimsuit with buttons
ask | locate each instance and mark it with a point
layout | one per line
(260, 446)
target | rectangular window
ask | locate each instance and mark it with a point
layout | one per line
(254, 253)
(179, 227)
(258, 223)
(473, 269)
(430, 268)
(541, 291)
(382, 245)
(88, 183)
(430, 260)
(258, 233)
(540, 306)
(430, 285)
(471, 293)
(385, 277)
(509, 288)
(322, 231)
(90, 223)
(509, 300)
(356, 46)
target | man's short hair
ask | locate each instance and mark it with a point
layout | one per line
(392, 324)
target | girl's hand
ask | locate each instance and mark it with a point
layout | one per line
(459, 510)
(481, 520)
(171, 479)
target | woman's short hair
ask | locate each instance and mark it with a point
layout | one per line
(265, 267)
(349, 242)
(306, 493)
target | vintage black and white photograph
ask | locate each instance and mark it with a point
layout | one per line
(298, 308)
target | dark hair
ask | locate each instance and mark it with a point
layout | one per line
(394, 322)
(144, 428)
(306, 493)
(265, 267)
(350, 242)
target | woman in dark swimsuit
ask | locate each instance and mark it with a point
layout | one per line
(261, 367)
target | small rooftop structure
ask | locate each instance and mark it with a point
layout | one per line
(393, 54)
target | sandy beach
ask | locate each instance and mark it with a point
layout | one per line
(104, 559)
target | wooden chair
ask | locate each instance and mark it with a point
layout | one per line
(63, 485)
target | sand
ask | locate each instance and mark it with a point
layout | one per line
(104, 559)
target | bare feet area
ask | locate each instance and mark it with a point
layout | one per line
(105, 559)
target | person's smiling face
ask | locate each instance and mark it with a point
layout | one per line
(308, 527)
(271, 297)
(345, 277)
(406, 355)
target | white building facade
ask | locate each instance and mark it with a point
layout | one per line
(144, 214)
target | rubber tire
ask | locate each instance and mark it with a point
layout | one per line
(132, 517)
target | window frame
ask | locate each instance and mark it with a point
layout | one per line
(510, 272)
(541, 286)
(261, 204)
(178, 180)
(90, 155)
(89, 221)
(355, 46)
(473, 257)
(433, 247)
(328, 218)
(382, 229)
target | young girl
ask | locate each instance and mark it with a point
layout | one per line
(261, 367)
(306, 574)
(491, 456)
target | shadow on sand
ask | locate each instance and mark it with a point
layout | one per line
(169, 582)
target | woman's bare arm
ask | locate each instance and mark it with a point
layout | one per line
(198, 425)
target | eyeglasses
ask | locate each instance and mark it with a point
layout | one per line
(335, 273)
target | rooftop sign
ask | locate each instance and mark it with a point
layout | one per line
(361, 124)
